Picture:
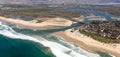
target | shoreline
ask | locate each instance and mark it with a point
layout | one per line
(85, 42)
(48, 24)
(88, 43)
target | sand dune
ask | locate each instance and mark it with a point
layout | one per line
(88, 43)
(56, 22)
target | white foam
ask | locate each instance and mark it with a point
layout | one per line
(57, 49)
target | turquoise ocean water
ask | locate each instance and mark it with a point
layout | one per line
(29, 43)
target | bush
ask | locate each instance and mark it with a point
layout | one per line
(100, 38)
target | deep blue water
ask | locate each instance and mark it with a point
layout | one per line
(21, 48)
(24, 47)
(10, 47)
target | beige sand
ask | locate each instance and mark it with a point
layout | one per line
(44, 25)
(58, 22)
(88, 43)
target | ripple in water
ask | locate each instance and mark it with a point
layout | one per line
(38, 46)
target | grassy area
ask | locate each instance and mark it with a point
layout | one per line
(100, 38)
(36, 12)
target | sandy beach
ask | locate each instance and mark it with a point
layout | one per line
(88, 43)
(48, 24)
(75, 37)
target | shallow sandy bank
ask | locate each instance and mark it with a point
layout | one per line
(88, 43)
(48, 24)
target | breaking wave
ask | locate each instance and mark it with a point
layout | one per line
(58, 49)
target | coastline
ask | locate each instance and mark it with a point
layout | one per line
(88, 43)
(48, 24)
(85, 42)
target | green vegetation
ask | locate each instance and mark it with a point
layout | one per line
(36, 12)
(15, 5)
(100, 38)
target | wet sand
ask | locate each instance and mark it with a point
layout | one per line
(48, 24)
(85, 42)
(88, 43)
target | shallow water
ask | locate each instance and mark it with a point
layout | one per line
(29, 43)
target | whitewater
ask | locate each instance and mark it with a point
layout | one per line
(57, 49)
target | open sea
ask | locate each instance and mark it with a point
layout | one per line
(29, 43)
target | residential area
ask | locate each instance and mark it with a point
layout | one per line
(105, 29)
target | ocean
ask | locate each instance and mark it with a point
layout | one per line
(16, 42)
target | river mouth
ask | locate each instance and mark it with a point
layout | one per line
(47, 45)
(37, 44)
